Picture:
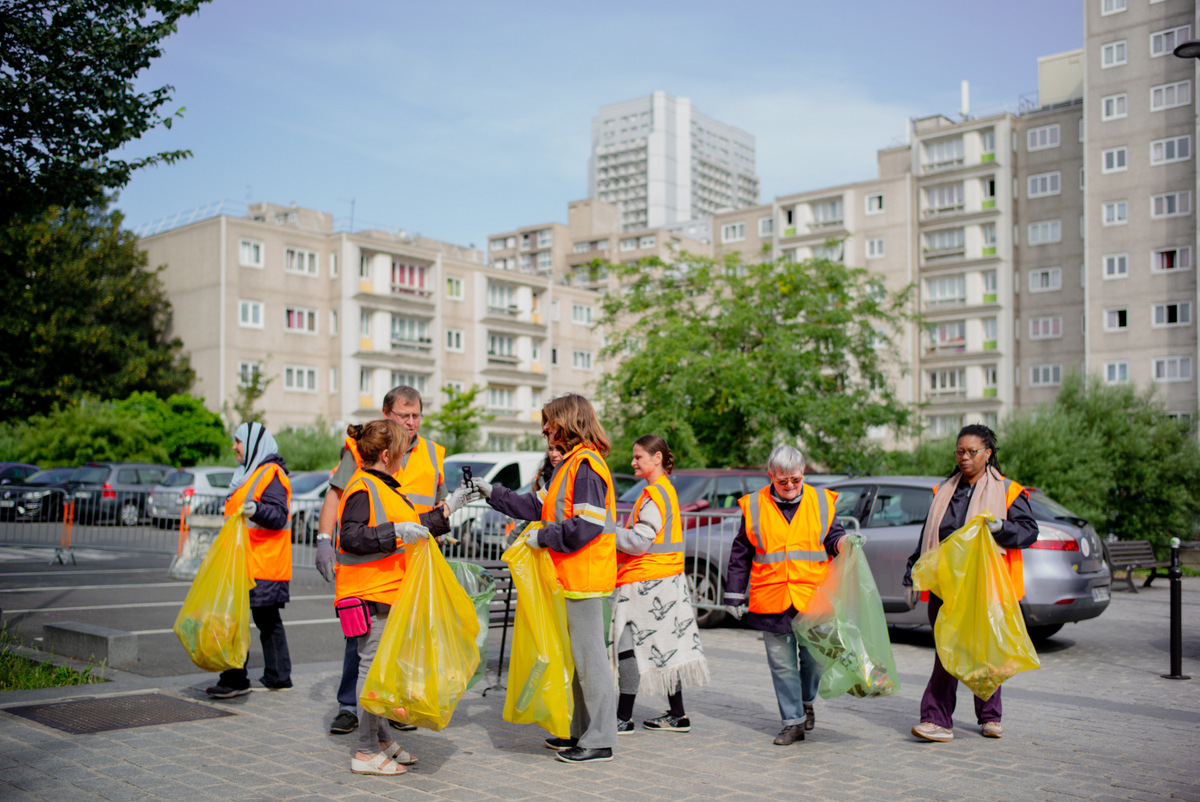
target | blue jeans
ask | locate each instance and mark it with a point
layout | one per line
(794, 673)
(347, 694)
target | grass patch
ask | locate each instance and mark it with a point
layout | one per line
(19, 673)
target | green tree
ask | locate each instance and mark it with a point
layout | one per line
(88, 431)
(67, 97)
(82, 315)
(456, 425)
(312, 448)
(928, 458)
(189, 432)
(725, 359)
(244, 409)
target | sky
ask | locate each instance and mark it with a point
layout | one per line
(463, 118)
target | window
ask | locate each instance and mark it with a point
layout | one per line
(250, 253)
(299, 261)
(991, 377)
(990, 282)
(501, 397)
(1116, 319)
(333, 380)
(646, 242)
(1169, 96)
(301, 320)
(1116, 213)
(1045, 375)
(581, 360)
(500, 345)
(1045, 280)
(1116, 265)
(945, 291)
(250, 314)
(1171, 259)
(1043, 184)
(943, 425)
(1174, 149)
(988, 230)
(333, 322)
(629, 244)
(545, 259)
(1116, 372)
(947, 382)
(454, 340)
(1112, 54)
(875, 248)
(991, 330)
(454, 288)
(1173, 369)
(333, 265)
(581, 314)
(501, 298)
(1044, 232)
(830, 212)
(526, 262)
(944, 153)
(408, 278)
(950, 337)
(875, 203)
(299, 378)
(364, 267)
(1164, 42)
(948, 239)
(545, 238)
(946, 198)
(581, 247)
(1114, 107)
(409, 331)
(553, 356)
(1172, 314)
(1111, 7)
(525, 242)
(247, 371)
(987, 141)
(1045, 328)
(766, 226)
(1171, 204)
(1115, 160)
(456, 386)
(733, 232)
(413, 380)
(1041, 138)
(497, 244)
(364, 381)
(364, 323)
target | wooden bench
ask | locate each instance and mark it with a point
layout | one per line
(1130, 556)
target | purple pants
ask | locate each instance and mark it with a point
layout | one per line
(937, 705)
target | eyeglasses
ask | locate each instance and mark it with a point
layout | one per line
(971, 452)
(414, 416)
(790, 481)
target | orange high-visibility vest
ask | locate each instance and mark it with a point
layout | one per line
(374, 577)
(420, 472)
(665, 555)
(270, 552)
(1012, 557)
(592, 569)
(790, 560)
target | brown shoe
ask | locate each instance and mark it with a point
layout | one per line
(810, 717)
(992, 729)
(932, 732)
(789, 735)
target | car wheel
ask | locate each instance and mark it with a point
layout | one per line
(130, 514)
(1043, 632)
(705, 587)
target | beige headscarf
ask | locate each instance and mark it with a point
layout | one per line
(989, 495)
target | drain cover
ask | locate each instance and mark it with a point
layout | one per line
(85, 716)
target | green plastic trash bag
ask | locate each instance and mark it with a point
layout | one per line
(481, 587)
(844, 629)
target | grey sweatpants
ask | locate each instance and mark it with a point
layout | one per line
(372, 729)
(594, 723)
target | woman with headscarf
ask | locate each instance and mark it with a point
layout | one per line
(262, 493)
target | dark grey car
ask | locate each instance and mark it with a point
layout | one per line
(115, 492)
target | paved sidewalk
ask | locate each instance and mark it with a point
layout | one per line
(1096, 722)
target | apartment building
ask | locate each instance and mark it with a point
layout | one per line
(662, 162)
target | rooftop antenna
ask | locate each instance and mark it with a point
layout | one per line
(965, 111)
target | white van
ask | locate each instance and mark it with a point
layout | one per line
(512, 469)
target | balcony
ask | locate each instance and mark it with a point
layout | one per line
(505, 360)
(990, 392)
(990, 203)
(822, 225)
(987, 158)
(988, 250)
(954, 251)
(503, 311)
(411, 291)
(990, 297)
(990, 345)
(949, 164)
(421, 345)
(942, 211)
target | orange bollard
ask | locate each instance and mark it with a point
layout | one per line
(183, 528)
(68, 520)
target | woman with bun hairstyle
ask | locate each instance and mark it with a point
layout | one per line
(376, 521)
(656, 643)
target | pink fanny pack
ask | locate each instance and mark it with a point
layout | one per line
(354, 615)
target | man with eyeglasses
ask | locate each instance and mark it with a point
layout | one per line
(422, 481)
(777, 560)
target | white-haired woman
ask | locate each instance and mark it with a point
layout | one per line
(778, 559)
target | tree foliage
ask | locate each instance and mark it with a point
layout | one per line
(188, 431)
(725, 359)
(67, 97)
(82, 315)
(927, 458)
(90, 431)
(313, 448)
(456, 425)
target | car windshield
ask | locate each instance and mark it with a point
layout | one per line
(1047, 509)
(220, 479)
(453, 469)
(91, 475)
(687, 487)
(179, 479)
(48, 477)
(307, 482)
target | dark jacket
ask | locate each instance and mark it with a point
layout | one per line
(357, 537)
(570, 535)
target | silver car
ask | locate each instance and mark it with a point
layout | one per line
(184, 488)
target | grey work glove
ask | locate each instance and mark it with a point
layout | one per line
(736, 610)
(994, 527)
(456, 500)
(912, 596)
(410, 532)
(326, 559)
(483, 488)
(249, 508)
(532, 538)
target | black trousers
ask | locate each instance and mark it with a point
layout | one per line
(278, 670)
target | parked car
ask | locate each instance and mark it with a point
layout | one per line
(114, 491)
(16, 471)
(308, 495)
(702, 489)
(511, 469)
(38, 498)
(184, 488)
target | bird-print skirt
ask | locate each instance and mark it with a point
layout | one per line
(662, 626)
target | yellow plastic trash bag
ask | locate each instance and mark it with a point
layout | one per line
(427, 654)
(214, 622)
(980, 633)
(540, 668)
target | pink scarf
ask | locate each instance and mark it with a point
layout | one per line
(989, 495)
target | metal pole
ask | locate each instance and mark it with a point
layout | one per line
(1175, 575)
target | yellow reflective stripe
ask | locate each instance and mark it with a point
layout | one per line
(592, 512)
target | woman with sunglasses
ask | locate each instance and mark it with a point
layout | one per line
(976, 485)
(777, 560)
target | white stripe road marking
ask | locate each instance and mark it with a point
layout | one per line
(43, 553)
(104, 571)
(139, 604)
(330, 620)
(180, 585)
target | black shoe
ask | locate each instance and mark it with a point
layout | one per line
(624, 726)
(577, 754)
(344, 721)
(668, 723)
(398, 727)
(223, 692)
(559, 744)
(810, 717)
(789, 735)
(282, 686)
